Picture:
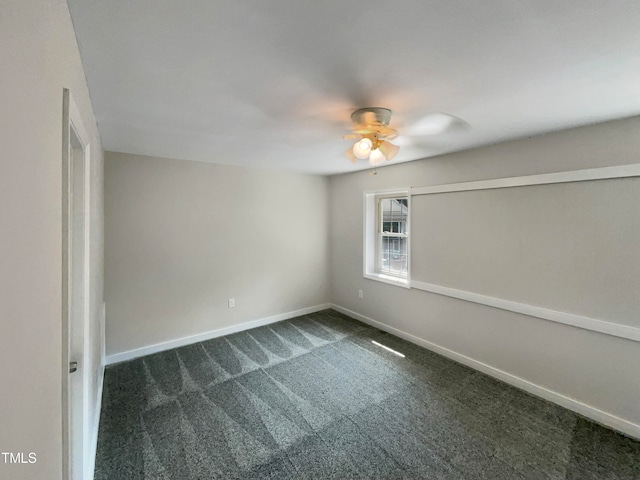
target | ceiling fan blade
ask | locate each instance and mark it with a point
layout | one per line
(387, 132)
(379, 130)
(365, 130)
(435, 124)
(351, 136)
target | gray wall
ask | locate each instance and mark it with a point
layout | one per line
(475, 241)
(39, 57)
(183, 237)
(569, 247)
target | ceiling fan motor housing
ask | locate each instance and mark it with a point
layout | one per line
(371, 116)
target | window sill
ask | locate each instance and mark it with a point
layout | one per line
(389, 279)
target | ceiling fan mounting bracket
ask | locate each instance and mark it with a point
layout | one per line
(371, 116)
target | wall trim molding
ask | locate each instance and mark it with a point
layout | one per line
(93, 447)
(627, 332)
(596, 325)
(600, 173)
(181, 342)
(93, 450)
(600, 416)
(103, 334)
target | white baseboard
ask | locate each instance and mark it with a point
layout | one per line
(612, 421)
(181, 342)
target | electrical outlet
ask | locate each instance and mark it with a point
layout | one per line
(360, 294)
(232, 303)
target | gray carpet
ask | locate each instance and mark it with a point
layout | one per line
(313, 397)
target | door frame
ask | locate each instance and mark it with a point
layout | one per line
(72, 122)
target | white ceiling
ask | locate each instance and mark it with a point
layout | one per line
(271, 84)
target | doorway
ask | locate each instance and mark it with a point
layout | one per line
(75, 289)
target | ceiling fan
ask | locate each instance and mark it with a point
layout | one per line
(372, 131)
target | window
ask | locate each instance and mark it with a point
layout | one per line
(391, 251)
(386, 245)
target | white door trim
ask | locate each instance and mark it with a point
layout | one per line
(71, 119)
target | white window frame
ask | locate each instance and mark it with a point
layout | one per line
(372, 238)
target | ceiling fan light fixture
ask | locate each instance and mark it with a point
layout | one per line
(372, 124)
(362, 148)
(371, 127)
(389, 149)
(376, 157)
(350, 155)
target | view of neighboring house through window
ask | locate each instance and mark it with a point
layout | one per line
(393, 233)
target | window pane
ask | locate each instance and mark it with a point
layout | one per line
(394, 214)
(394, 255)
(404, 203)
(384, 254)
